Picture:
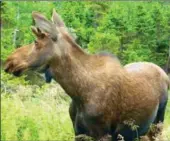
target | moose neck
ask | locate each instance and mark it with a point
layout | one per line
(70, 70)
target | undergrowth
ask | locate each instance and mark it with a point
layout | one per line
(35, 113)
(31, 112)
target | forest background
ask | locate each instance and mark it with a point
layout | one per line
(133, 31)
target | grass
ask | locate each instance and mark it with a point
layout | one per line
(36, 114)
(166, 131)
(40, 118)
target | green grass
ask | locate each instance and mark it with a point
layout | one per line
(43, 118)
(166, 131)
(36, 114)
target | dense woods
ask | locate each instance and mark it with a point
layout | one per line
(133, 31)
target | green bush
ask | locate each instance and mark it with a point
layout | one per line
(41, 117)
(104, 42)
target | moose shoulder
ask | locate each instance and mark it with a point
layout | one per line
(105, 95)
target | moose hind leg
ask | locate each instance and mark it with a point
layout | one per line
(131, 134)
(162, 108)
(161, 113)
(157, 126)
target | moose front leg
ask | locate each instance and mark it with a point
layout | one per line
(77, 121)
(73, 112)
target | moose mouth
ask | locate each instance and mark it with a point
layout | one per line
(15, 70)
(18, 70)
(15, 73)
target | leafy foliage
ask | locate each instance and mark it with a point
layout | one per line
(34, 113)
(140, 29)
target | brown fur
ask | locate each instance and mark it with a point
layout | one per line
(105, 94)
(150, 70)
(147, 67)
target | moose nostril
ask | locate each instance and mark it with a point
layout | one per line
(8, 67)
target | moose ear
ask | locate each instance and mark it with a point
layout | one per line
(35, 31)
(57, 20)
(44, 25)
(38, 32)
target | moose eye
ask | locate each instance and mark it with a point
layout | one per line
(37, 45)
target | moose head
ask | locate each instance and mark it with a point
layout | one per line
(49, 43)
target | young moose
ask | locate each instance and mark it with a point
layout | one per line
(104, 94)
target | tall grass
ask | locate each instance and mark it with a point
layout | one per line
(33, 113)
(42, 117)
(166, 131)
